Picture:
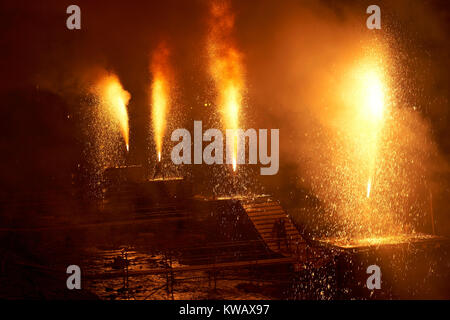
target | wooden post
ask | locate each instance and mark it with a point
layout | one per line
(171, 277)
(214, 273)
(167, 273)
(126, 273)
(431, 212)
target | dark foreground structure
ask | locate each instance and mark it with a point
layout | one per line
(154, 240)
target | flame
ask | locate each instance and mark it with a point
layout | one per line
(115, 98)
(374, 93)
(365, 94)
(225, 64)
(373, 90)
(160, 93)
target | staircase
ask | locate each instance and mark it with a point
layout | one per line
(264, 212)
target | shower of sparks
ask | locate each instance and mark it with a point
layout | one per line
(160, 94)
(362, 162)
(115, 99)
(373, 91)
(365, 167)
(366, 94)
(226, 69)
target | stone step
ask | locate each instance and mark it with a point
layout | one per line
(266, 212)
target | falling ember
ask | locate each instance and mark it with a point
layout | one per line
(160, 94)
(226, 69)
(115, 98)
(369, 185)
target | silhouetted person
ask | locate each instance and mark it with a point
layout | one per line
(279, 232)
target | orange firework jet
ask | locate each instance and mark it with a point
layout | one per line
(160, 94)
(372, 90)
(360, 120)
(366, 95)
(115, 99)
(225, 64)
